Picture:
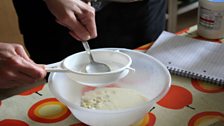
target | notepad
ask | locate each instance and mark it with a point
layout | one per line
(188, 57)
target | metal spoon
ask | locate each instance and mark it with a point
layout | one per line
(93, 66)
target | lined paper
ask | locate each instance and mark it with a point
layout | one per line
(189, 57)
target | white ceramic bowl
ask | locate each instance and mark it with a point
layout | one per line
(118, 62)
(151, 78)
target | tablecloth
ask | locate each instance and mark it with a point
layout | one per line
(188, 103)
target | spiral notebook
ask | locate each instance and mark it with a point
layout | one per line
(184, 56)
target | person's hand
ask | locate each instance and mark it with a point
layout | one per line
(16, 68)
(76, 15)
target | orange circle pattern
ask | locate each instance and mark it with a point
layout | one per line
(203, 117)
(206, 88)
(13, 122)
(48, 111)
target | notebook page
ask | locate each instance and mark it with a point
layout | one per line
(199, 57)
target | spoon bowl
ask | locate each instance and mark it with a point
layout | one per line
(93, 66)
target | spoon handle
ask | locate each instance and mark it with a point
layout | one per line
(87, 48)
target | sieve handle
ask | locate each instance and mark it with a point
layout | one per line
(55, 67)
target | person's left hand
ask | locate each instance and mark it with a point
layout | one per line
(16, 68)
(76, 15)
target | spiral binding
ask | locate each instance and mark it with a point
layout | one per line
(193, 75)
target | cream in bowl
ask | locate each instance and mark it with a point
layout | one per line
(112, 98)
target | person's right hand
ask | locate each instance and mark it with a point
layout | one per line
(76, 15)
(16, 68)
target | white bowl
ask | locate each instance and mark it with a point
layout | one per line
(118, 62)
(151, 78)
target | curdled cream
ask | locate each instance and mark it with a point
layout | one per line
(112, 98)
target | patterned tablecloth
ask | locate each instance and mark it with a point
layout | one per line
(187, 103)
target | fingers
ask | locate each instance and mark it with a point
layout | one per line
(18, 71)
(88, 20)
(16, 68)
(22, 63)
(8, 84)
(27, 68)
(21, 52)
(76, 27)
(80, 19)
(75, 36)
(12, 79)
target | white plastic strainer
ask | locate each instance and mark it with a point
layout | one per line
(74, 66)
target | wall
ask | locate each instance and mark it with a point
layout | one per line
(9, 30)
